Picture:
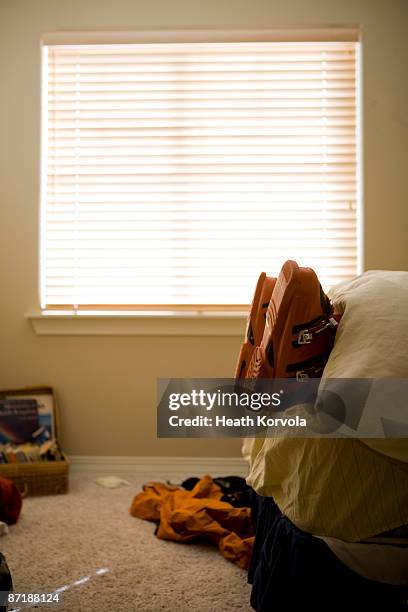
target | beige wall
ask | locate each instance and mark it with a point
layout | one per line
(106, 385)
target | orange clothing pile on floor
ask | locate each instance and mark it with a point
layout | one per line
(184, 516)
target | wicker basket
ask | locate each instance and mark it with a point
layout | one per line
(40, 477)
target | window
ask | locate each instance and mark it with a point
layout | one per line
(174, 173)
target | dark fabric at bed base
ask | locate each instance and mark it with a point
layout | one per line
(291, 567)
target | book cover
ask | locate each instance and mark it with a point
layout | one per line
(19, 420)
(45, 406)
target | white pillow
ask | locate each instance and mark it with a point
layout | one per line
(372, 338)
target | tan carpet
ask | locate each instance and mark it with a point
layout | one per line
(88, 537)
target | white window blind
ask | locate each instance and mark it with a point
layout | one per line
(174, 173)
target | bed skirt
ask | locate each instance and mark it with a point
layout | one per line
(291, 567)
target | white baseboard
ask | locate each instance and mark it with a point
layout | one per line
(165, 467)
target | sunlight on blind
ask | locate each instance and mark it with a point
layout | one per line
(176, 173)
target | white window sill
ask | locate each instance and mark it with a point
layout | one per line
(187, 323)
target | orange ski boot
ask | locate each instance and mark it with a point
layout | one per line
(300, 328)
(255, 323)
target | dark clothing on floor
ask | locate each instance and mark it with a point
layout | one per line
(235, 490)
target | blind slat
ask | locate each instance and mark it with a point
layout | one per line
(175, 172)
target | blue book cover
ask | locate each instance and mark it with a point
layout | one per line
(46, 421)
(19, 420)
